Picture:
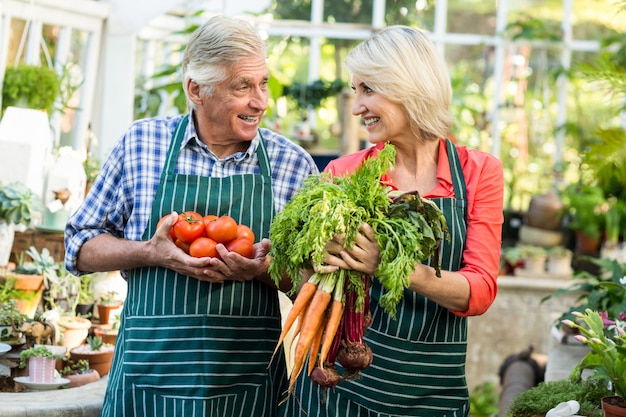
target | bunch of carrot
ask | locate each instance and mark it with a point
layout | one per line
(331, 310)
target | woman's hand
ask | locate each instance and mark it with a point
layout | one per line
(364, 256)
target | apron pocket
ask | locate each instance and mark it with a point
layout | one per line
(199, 358)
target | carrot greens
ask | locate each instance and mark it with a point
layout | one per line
(408, 230)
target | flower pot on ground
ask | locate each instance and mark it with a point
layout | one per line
(614, 406)
(79, 373)
(41, 364)
(108, 332)
(534, 258)
(99, 354)
(106, 305)
(74, 330)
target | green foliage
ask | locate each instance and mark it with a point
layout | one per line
(94, 342)
(35, 352)
(607, 357)
(484, 400)
(311, 95)
(584, 204)
(32, 86)
(18, 203)
(600, 292)
(79, 367)
(408, 228)
(547, 395)
(41, 263)
(10, 314)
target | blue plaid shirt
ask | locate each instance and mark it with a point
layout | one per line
(120, 200)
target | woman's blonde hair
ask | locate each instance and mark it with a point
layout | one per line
(402, 64)
(216, 46)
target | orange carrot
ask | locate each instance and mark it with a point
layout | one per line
(310, 327)
(334, 318)
(299, 307)
(315, 345)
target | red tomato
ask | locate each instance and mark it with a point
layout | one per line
(189, 226)
(183, 245)
(245, 232)
(208, 218)
(172, 235)
(202, 247)
(242, 246)
(222, 230)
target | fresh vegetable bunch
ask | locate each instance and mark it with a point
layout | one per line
(199, 235)
(332, 310)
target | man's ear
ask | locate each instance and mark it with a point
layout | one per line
(193, 91)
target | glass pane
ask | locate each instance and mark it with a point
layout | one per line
(359, 12)
(17, 42)
(470, 69)
(420, 13)
(475, 16)
(596, 19)
(73, 78)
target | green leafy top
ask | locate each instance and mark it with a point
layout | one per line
(17, 203)
(35, 352)
(408, 229)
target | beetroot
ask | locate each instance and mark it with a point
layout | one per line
(325, 377)
(355, 356)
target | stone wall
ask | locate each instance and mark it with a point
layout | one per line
(516, 320)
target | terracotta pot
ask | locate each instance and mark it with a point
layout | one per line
(100, 360)
(77, 380)
(614, 406)
(106, 332)
(104, 312)
(74, 330)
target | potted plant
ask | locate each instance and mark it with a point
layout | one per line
(18, 203)
(27, 281)
(601, 291)
(86, 297)
(32, 86)
(99, 354)
(534, 258)
(108, 332)
(584, 206)
(106, 304)
(10, 316)
(560, 261)
(41, 364)
(545, 396)
(607, 356)
(79, 373)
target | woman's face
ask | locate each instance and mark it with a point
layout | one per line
(384, 119)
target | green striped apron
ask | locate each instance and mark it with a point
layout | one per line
(419, 359)
(193, 348)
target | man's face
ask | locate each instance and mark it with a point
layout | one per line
(234, 111)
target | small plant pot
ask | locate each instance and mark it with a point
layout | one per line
(536, 265)
(104, 312)
(75, 331)
(614, 406)
(99, 360)
(106, 332)
(41, 370)
(78, 380)
(85, 310)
